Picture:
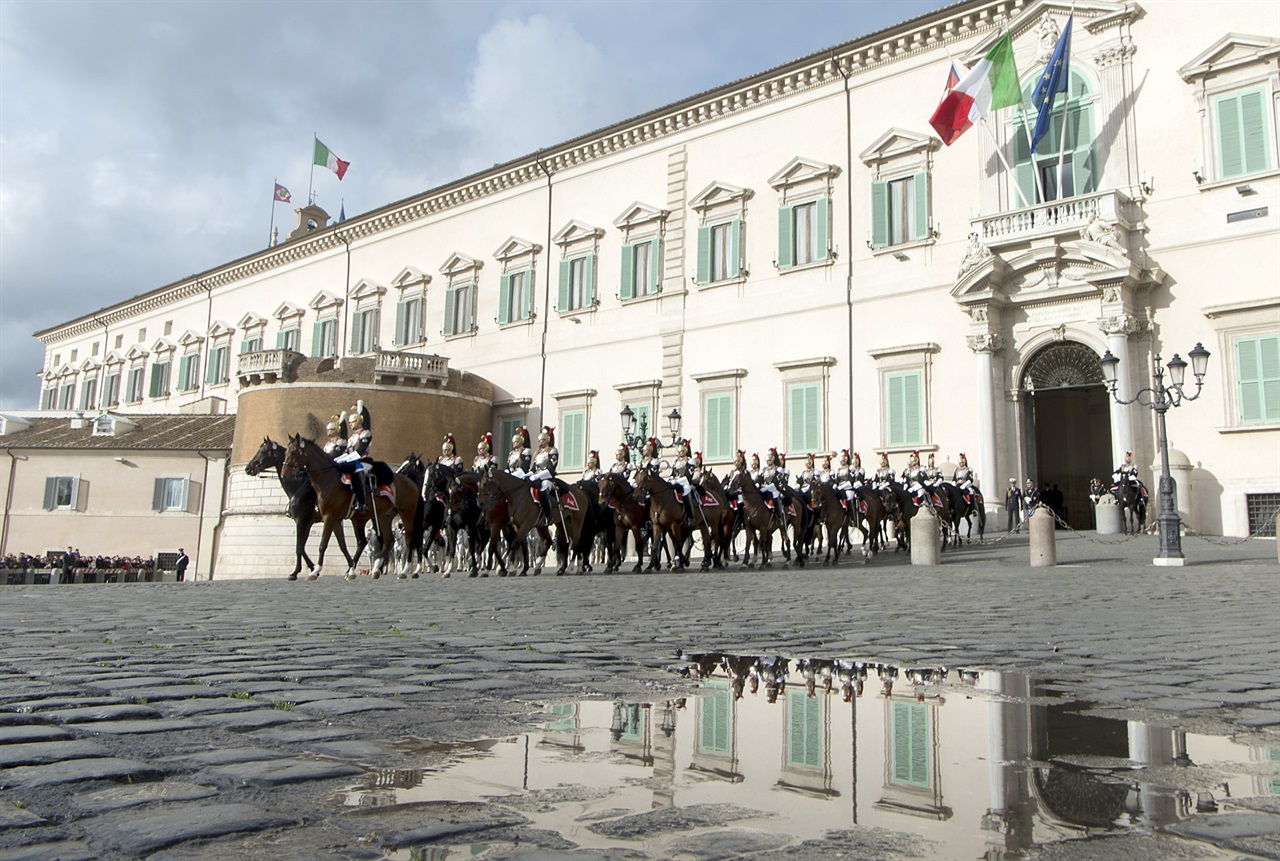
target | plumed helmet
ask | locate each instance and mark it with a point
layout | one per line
(548, 435)
(755, 458)
(593, 458)
(447, 446)
(518, 440)
(844, 455)
(810, 459)
(355, 421)
(334, 424)
(931, 458)
(884, 458)
(623, 453)
(485, 445)
(683, 448)
(651, 445)
(963, 460)
(857, 458)
(697, 457)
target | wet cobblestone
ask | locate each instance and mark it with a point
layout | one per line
(215, 720)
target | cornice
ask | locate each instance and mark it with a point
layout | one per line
(860, 56)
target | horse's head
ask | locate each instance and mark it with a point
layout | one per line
(295, 453)
(270, 454)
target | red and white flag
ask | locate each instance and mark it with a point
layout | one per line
(282, 193)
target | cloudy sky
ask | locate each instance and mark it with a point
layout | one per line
(139, 140)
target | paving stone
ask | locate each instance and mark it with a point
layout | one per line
(117, 797)
(42, 753)
(59, 850)
(306, 734)
(12, 816)
(301, 695)
(349, 705)
(24, 733)
(138, 832)
(63, 701)
(75, 770)
(213, 705)
(226, 755)
(275, 772)
(130, 682)
(255, 719)
(135, 727)
(130, 711)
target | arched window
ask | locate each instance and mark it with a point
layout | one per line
(1079, 167)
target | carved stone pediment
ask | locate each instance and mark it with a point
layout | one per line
(1094, 15)
(252, 321)
(325, 299)
(718, 194)
(365, 288)
(221, 329)
(638, 214)
(190, 338)
(801, 170)
(286, 311)
(898, 143)
(460, 264)
(514, 247)
(577, 231)
(410, 276)
(1232, 51)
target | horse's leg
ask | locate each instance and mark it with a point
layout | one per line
(325, 533)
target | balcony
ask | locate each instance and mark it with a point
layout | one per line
(267, 366)
(409, 369)
(1105, 217)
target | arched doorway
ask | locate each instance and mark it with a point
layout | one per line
(1068, 421)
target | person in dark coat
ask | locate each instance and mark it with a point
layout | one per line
(1013, 504)
(180, 564)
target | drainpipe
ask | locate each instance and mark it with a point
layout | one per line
(8, 502)
(346, 305)
(208, 324)
(204, 491)
(546, 297)
(848, 181)
(102, 371)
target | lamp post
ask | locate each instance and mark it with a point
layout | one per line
(1161, 397)
(635, 435)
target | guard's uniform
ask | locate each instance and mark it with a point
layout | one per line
(520, 458)
(484, 454)
(449, 456)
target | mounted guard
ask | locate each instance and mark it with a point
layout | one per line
(621, 462)
(484, 454)
(884, 474)
(521, 458)
(545, 463)
(592, 471)
(681, 474)
(449, 454)
(355, 460)
(963, 480)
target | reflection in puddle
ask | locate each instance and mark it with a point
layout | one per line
(948, 764)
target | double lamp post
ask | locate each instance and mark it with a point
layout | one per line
(1160, 397)
(635, 430)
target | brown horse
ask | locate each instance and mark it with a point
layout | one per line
(758, 520)
(576, 524)
(832, 514)
(512, 513)
(302, 498)
(713, 518)
(666, 516)
(335, 503)
(629, 518)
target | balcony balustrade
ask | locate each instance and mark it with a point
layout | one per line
(1057, 219)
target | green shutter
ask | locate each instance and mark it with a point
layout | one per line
(920, 187)
(450, 300)
(911, 744)
(1082, 157)
(402, 312)
(526, 307)
(50, 492)
(562, 297)
(822, 229)
(786, 237)
(735, 248)
(573, 440)
(589, 281)
(317, 339)
(1242, 134)
(159, 381)
(281, 337)
(1230, 138)
(184, 373)
(357, 333)
(627, 289)
(655, 265)
(803, 415)
(904, 409)
(879, 214)
(1258, 375)
(703, 275)
(719, 426)
(504, 299)
(157, 495)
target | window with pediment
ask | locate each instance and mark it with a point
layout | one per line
(518, 258)
(804, 189)
(411, 302)
(289, 336)
(366, 316)
(901, 194)
(722, 213)
(161, 369)
(252, 327)
(642, 228)
(1064, 163)
(324, 331)
(189, 361)
(579, 250)
(1235, 85)
(462, 275)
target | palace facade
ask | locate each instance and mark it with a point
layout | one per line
(795, 260)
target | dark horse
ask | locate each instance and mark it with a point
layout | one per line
(1133, 506)
(629, 518)
(415, 554)
(965, 508)
(511, 512)
(900, 501)
(335, 504)
(302, 497)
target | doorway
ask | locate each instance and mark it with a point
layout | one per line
(1068, 423)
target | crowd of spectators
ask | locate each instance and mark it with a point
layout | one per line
(72, 559)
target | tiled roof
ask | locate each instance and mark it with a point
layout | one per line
(171, 432)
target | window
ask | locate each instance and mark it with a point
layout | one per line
(717, 431)
(903, 409)
(644, 418)
(506, 430)
(1074, 152)
(219, 370)
(251, 344)
(89, 394)
(67, 395)
(189, 373)
(364, 331)
(409, 321)
(324, 338)
(1258, 379)
(133, 393)
(803, 233)
(911, 755)
(804, 417)
(900, 210)
(459, 309)
(159, 380)
(640, 269)
(804, 736)
(48, 397)
(170, 494)
(111, 390)
(577, 283)
(288, 339)
(719, 251)
(1240, 121)
(573, 439)
(715, 709)
(61, 492)
(515, 297)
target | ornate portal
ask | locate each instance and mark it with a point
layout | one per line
(1062, 366)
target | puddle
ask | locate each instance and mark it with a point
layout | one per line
(884, 761)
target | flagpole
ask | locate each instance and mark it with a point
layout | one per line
(311, 178)
(1000, 152)
(1066, 101)
(274, 183)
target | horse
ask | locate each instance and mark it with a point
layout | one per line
(833, 515)
(436, 481)
(416, 470)
(907, 507)
(629, 517)
(964, 507)
(1133, 506)
(758, 520)
(714, 519)
(576, 525)
(335, 503)
(510, 511)
(666, 515)
(464, 518)
(302, 498)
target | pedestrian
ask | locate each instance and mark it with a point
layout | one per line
(67, 574)
(1013, 504)
(1030, 499)
(180, 564)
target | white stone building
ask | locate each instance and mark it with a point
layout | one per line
(795, 260)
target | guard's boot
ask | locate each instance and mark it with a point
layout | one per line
(544, 497)
(689, 518)
(357, 487)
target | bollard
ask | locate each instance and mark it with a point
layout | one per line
(1044, 553)
(926, 538)
(1276, 533)
(1109, 515)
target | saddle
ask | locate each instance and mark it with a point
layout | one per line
(386, 490)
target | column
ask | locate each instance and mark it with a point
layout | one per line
(984, 349)
(1117, 329)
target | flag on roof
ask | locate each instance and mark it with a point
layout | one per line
(342, 212)
(1057, 74)
(991, 84)
(326, 158)
(282, 193)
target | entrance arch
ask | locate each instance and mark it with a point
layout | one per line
(1068, 425)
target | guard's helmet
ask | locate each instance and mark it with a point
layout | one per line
(355, 421)
(548, 436)
(447, 446)
(333, 426)
(485, 445)
(593, 459)
(857, 460)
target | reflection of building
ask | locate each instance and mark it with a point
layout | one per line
(715, 748)
(913, 775)
(948, 303)
(806, 761)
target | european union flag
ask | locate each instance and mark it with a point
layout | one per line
(1053, 81)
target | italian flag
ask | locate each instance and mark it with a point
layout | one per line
(326, 158)
(991, 84)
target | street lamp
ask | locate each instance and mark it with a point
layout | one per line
(1160, 398)
(636, 432)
